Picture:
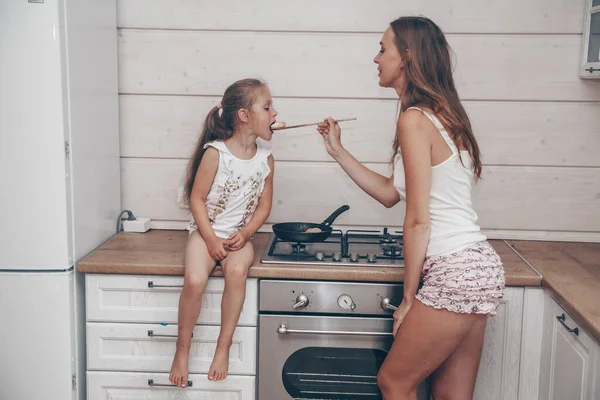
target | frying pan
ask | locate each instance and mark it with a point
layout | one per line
(296, 231)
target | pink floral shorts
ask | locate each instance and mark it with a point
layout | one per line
(470, 280)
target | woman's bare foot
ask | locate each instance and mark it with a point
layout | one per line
(179, 369)
(220, 364)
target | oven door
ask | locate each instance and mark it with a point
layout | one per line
(322, 357)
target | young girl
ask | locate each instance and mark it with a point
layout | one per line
(441, 326)
(229, 189)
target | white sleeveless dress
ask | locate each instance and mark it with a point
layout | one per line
(234, 193)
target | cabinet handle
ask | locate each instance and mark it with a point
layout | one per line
(152, 285)
(152, 334)
(561, 318)
(151, 383)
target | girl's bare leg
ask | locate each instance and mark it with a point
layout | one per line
(235, 270)
(198, 266)
(426, 338)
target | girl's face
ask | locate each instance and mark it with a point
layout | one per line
(263, 115)
(389, 62)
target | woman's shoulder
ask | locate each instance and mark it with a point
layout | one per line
(414, 119)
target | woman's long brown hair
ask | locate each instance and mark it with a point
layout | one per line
(220, 124)
(429, 81)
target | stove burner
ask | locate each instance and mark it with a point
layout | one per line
(387, 238)
(299, 248)
(392, 251)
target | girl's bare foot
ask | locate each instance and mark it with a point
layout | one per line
(179, 369)
(220, 364)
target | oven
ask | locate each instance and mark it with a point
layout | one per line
(324, 340)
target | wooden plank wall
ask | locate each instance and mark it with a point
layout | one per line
(516, 70)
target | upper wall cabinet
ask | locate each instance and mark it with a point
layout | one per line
(590, 57)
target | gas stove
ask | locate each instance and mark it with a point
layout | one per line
(355, 248)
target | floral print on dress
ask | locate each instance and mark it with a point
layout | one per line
(470, 280)
(229, 188)
(253, 194)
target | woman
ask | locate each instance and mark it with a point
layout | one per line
(440, 329)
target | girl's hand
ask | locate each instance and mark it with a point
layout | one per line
(331, 132)
(399, 315)
(236, 241)
(216, 249)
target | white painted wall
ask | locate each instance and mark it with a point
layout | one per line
(517, 71)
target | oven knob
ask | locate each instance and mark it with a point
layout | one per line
(386, 305)
(319, 255)
(337, 256)
(372, 258)
(354, 257)
(301, 302)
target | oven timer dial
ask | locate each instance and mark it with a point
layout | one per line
(346, 302)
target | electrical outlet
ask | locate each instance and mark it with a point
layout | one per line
(140, 225)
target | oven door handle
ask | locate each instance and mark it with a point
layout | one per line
(284, 330)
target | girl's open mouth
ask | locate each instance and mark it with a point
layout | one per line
(277, 125)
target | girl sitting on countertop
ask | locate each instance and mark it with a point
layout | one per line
(229, 190)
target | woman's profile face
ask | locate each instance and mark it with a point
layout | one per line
(389, 62)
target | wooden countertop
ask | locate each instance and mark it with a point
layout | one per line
(161, 252)
(571, 273)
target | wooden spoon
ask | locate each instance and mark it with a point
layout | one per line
(311, 124)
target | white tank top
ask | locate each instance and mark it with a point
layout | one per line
(452, 217)
(234, 193)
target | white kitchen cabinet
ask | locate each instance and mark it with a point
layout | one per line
(570, 358)
(132, 331)
(498, 375)
(155, 298)
(142, 386)
(150, 347)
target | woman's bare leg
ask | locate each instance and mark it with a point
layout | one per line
(455, 378)
(235, 270)
(198, 266)
(424, 341)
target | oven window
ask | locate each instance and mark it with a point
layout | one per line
(333, 373)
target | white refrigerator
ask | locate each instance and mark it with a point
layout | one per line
(59, 184)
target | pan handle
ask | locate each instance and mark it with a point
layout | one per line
(334, 215)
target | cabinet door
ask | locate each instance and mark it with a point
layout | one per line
(142, 386)
(567, 357)
(498, 375)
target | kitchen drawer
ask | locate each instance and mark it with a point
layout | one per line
(155, 298)
(141, 347)
(136, 386)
